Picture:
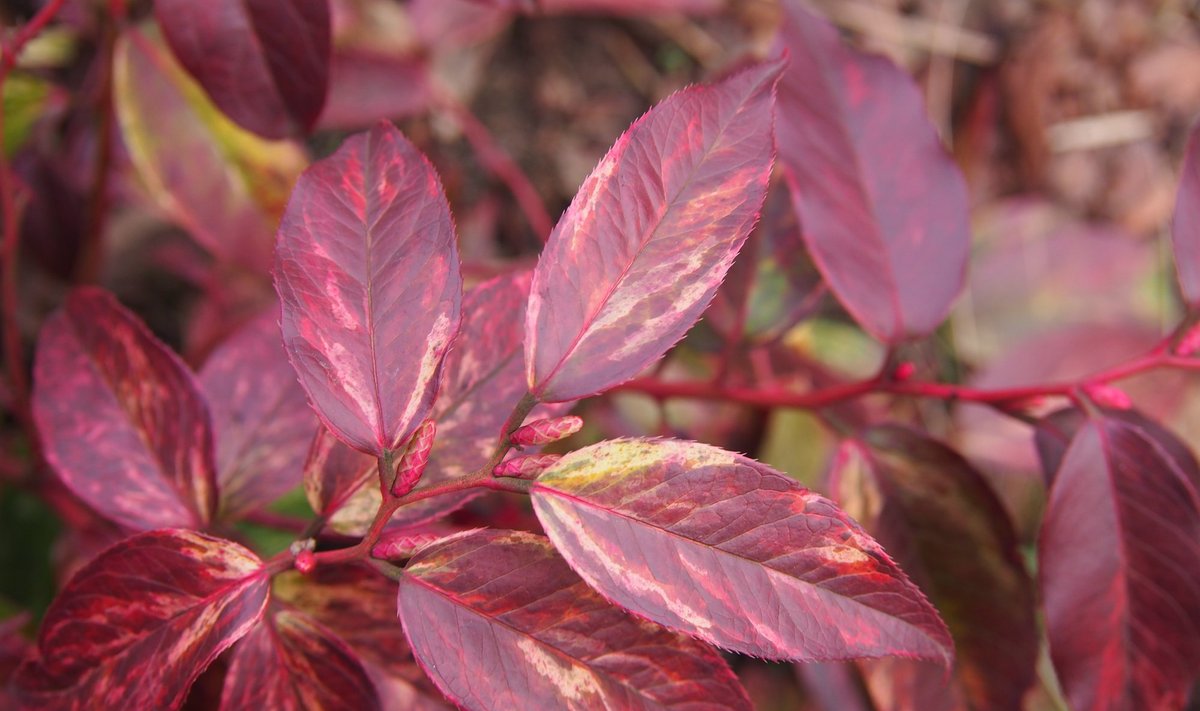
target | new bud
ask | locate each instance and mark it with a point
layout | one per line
(1107, 395)
(412, 464)
(904, 371)
(546, 431)
(526, 467)
(305, 561)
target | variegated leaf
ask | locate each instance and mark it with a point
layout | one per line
(261, 418)
(638, 255)
(290, 663)
(367, 271)
(729, 550)
(121, 418)
(136, 626)
(882, 205)
(501, 622)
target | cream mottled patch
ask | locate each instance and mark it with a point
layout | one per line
(439, 335)
(633, 580)
(350, 376)
(844, 554)
(575, 683)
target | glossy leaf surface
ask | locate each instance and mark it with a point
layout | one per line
(1185, 226)
(638, 255)
(265, 63)
(290, 663)
(121, 418)
(1118, 552)
(882, 205)
(261, 418)
(500, 621)
(223, 185)
(368, 275)
(138, 624)
(733, 552)
(936, 514)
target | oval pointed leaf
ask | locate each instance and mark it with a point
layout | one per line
(289, 662)
(225, 186)
(265, 63)
(121, 419)
(1185, 225)
(945, 526)
(1118, 553)
(638, 255)
(261, 419)
(367, 271)
(882, 205)
(136, 626)
(733, 552)
(500, 621)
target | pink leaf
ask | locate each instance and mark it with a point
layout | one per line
(1185, 226)
(365, 87)
(261, 418)
(637, 256)
(121, 419)
(882, 206)
(1118, 554)
(727, 549)
(635, 8)
(942, 522)
(265, 63)
(289, 662)
(136, 626)
(500, 622)
(367, 271)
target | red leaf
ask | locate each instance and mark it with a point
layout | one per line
(136, 626)
(1118, 554)
(500, 622)
(333, 473)
(945, 526)
(261, 418)
(121, 418)
(289, 662)
(367, 271)
(731, 551)
(359, 606)
(637, 256)
(882, 205)
(1185, 225)
(265, 63)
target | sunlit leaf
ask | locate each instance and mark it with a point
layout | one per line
(638, 255)
(733, 552)
(367, 271)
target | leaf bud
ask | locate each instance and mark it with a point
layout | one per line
(546, 431)
(526, 467)
(412, 464)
